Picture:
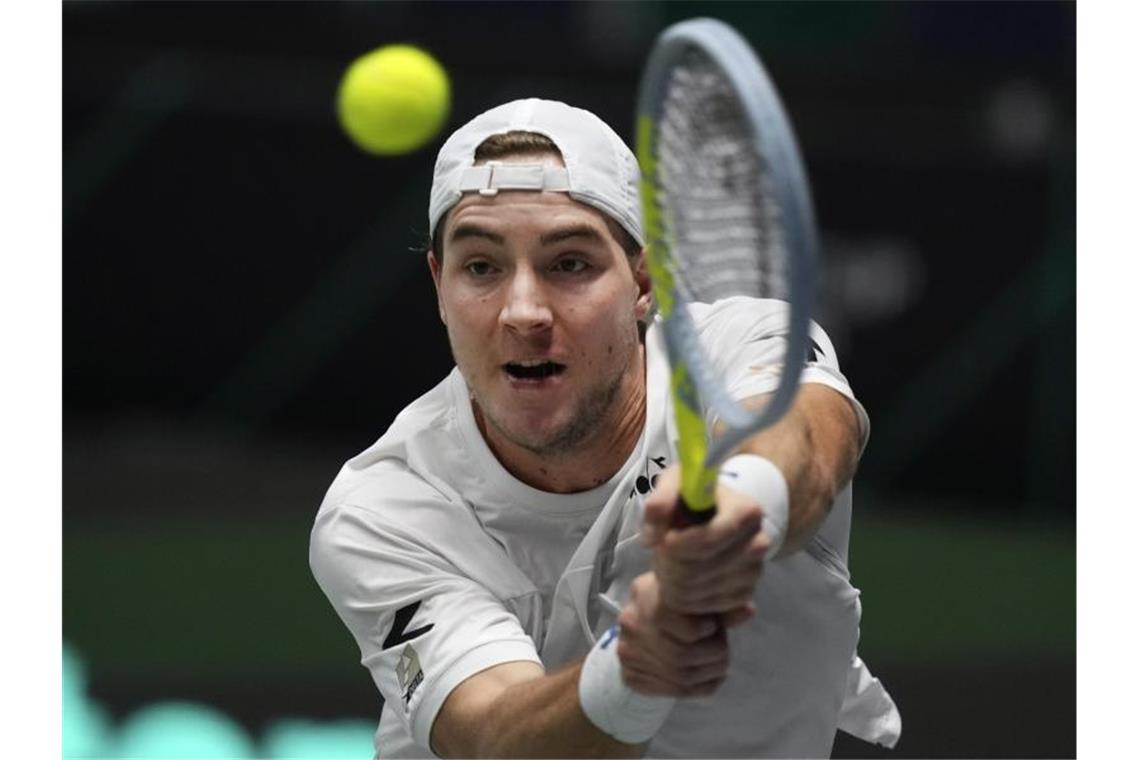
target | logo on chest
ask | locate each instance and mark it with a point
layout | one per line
(647, 480)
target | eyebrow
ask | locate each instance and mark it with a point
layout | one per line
(470, 230)
(571, 231)
(467, 230)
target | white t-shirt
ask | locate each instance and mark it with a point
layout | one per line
(442, 564)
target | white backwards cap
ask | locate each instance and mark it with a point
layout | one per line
(600, 169)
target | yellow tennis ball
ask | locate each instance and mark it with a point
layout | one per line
(393, 100)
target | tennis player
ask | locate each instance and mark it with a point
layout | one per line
(504, 555)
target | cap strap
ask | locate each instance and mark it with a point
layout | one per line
(494, 176)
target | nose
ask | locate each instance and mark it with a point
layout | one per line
(525, 309)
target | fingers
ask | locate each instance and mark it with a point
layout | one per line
(712, 600)
(738, 518)
(653, 647)
(746, 552)
(713, 585)
(733, 526)
(679, 676)
(688, 630)
(709, 569)
(646, 607)
(666, 653)
(653, 684)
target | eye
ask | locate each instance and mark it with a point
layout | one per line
(479, 268)
(571, 265)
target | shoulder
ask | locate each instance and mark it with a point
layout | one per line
(387, 515)
(729, 323)
(433, 413)
(740, 313)
(400, 536)
(725, 324)
(385, 497)
(396, 530)
(744, 337)
(393, 462)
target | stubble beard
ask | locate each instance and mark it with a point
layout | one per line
(587, 419)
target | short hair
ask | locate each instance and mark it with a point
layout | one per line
(518, 143)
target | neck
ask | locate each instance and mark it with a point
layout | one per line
(590, 463)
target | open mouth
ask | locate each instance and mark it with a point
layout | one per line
(533, 370)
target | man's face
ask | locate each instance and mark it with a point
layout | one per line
(541, 307)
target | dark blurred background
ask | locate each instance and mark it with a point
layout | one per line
(243, 311)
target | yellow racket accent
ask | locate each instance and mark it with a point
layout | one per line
(697, 481)
(657, 255)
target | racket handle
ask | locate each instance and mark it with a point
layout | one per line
(683, 516)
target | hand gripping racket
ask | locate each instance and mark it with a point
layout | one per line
(727, 212)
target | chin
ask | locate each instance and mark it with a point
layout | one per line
(532, 436)
(542, 437)
(560, 440)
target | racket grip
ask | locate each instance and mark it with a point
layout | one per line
(684, 516)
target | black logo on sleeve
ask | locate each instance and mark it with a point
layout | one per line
(398, 635)
(813, 353)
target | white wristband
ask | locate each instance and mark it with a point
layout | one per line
(613, 707)
(759, 478)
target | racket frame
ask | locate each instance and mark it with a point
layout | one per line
(692, 376)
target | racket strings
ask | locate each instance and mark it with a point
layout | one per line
(719, 218)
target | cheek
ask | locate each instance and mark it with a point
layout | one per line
(609, 323)
(469, 310)
(470, 322)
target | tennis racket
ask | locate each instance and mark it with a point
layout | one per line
(727, 212)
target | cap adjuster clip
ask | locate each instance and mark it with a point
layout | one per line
(491, 188)
(493, 176)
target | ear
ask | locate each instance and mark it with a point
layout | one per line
(436, 269)
(644, 303)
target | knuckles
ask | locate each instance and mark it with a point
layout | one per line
(689, 634)
(706, 689)
(641, 588)
(629, 623)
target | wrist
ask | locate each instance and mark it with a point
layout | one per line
(608, 703)
(759, 478)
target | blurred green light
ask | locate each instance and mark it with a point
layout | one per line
(74, 672)
(309, 740)
(182, 730)
(86, 728)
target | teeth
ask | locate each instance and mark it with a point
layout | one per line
(531, 363)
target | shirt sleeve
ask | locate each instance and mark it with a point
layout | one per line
(422, 626)
(746, 339)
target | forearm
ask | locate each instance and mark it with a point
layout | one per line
(540, 717)
(816, 447)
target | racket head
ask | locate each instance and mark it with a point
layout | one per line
(727, 212)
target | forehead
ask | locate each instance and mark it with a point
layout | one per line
(524, 212)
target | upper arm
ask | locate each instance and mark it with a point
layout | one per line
(422, 625)
(747, 340)
(832, 424)
(465, 712)
(822, 422)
